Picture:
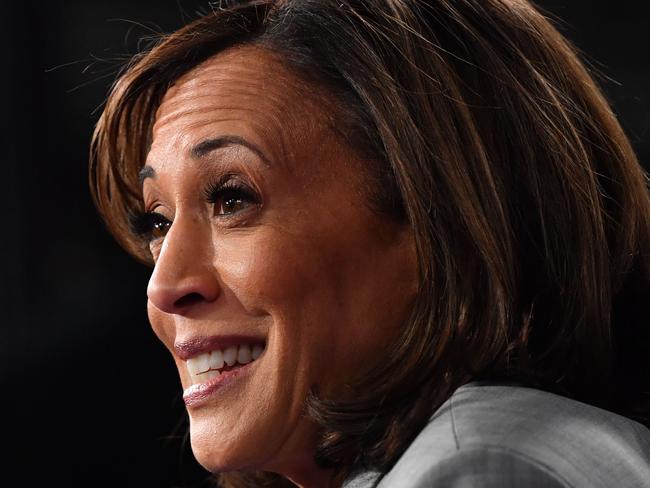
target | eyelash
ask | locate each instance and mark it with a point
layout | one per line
(146, 224)
(226, 185)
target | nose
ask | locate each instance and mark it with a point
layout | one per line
(184, 277)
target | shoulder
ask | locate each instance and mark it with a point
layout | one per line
(476, 467)
(495, 435)
(488, 467)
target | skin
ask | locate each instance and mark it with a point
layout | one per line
(310, 268)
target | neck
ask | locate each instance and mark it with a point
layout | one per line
(299, 466)
(313, 478)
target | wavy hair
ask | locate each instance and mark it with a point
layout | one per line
(530, 210)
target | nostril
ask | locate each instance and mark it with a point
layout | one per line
(187, 300)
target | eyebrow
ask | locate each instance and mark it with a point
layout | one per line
(146, 172)
(205, 147)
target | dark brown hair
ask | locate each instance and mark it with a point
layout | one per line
(530, 211)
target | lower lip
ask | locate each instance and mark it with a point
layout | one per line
(200, 393)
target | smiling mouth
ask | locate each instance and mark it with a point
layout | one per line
(215, 369)
(206, 366)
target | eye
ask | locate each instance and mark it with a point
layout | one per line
(150, 225)
(230, 197)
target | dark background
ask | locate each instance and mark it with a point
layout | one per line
(89, 396)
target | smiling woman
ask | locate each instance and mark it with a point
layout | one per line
(264, 247)
(383, 233)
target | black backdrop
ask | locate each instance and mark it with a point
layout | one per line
(89, 397)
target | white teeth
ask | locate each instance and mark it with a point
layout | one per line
(230, 355)
(210, 374)
(199, 364)
(205, 366)
(192, 366)
(203, 362)
(216, 359)
(244, 354)
(256, 352)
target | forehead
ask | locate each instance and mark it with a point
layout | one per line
(243, 91)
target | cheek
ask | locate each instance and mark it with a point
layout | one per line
(162, 325)
(269, 271)
(288, 278)
(334, 301)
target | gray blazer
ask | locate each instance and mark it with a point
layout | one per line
(496, 436)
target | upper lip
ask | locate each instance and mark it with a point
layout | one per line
(187, 349)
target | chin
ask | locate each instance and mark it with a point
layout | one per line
(221, 448)
(214, 449)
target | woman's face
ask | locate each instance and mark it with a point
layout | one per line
(264, 248)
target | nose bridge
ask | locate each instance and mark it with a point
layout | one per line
(183, 275)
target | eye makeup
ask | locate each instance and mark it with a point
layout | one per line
(149, 225)
(227, 194)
